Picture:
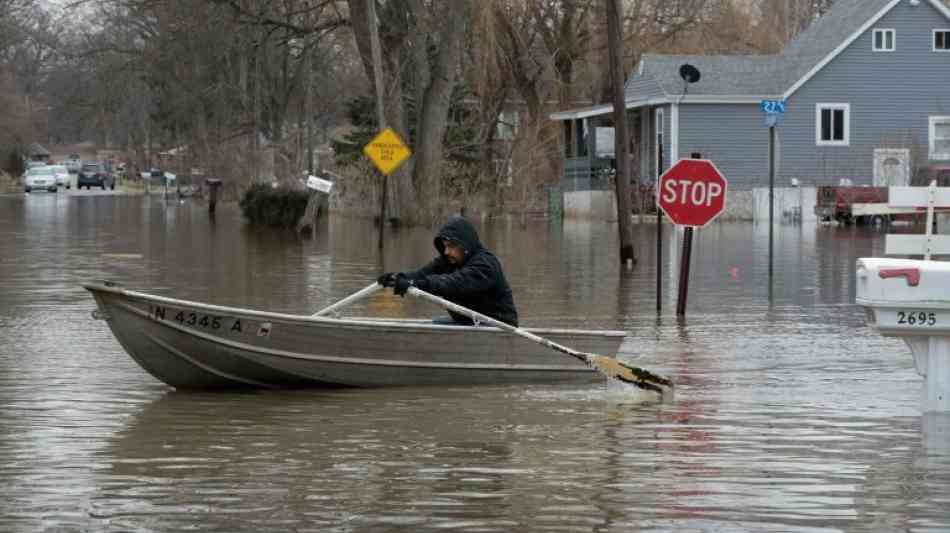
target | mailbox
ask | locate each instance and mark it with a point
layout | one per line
(910, 299)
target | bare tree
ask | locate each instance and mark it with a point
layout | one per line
(212, 78)
(422, 50)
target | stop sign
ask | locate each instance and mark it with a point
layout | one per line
(692, 192)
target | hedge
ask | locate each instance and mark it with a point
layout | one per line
(281, 206)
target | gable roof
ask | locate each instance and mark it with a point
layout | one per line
(828, 36)
(721, 75)
(750, 78)
(767, 74)
(36, 149)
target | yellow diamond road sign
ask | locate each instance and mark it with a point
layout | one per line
(387, 151)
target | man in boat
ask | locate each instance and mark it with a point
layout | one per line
(464, 273)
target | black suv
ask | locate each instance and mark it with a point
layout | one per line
(94, 174)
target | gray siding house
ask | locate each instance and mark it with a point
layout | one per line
(867, 92)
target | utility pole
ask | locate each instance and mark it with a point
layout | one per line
(380, 113)
(615, 47)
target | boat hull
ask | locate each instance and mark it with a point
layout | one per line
(199, 346)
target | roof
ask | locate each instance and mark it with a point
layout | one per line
(720, 75)
(845, 22)
(751, 78)
(37, 149)
(767, 74)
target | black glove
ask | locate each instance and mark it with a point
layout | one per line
(403, 283)
(387, 280)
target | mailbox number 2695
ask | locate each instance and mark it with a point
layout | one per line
(916, 318)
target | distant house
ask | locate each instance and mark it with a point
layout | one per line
(38, 153)
(866, 92)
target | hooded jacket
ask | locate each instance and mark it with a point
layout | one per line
(478, 283)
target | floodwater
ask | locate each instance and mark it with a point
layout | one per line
(790, 414)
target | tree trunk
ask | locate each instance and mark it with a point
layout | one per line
(615, 44)
(435, 106)
(380, 90)
(400, 190)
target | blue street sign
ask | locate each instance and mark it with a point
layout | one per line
(773, 107)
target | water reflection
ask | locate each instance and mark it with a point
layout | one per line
(790, 414)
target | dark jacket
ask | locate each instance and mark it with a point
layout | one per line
(478, 284)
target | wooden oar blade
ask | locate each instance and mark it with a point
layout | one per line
(638, 377)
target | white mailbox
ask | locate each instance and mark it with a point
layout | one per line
(910, 299)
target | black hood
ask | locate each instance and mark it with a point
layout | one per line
(461, 231)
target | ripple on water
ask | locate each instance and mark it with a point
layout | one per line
(788, 416)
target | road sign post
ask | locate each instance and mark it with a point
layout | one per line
(387, 152)
(692, 193)
(773, 109)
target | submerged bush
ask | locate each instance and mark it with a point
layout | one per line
(283, 207)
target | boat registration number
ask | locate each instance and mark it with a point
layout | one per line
(209, 322)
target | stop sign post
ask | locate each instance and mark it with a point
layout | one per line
(692, 193)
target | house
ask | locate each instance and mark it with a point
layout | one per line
(38, 153)
(866, 96)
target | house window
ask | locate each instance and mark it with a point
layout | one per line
(833, 124)
(884, 40)
(508, 122)
(941, 40)
(940, 138)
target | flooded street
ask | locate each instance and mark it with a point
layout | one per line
(790, 414)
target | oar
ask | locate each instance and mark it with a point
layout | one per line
(356, 296)
(608, 366)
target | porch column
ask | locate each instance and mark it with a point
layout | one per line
(645, 142)
(674, 133)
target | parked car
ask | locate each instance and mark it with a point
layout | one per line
(34, 164)
(40, 178)
(94, 174)
(62, 176)
(74, 163)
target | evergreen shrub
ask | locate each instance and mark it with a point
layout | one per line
(14, 164)
(281, 207)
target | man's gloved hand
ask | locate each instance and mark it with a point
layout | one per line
(403, 283)
(387, 280)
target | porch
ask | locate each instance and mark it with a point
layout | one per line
(589, 161)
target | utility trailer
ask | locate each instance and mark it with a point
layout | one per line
(837, 203)
(867, 205)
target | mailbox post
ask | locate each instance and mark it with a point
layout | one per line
(213, 185)
(910, 298)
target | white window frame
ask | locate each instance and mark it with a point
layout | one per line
(943, 156)
(946, 40)
(847, 124)
(507, 125)
(883, 32)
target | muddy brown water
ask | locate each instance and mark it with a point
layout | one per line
(790, 414)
